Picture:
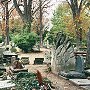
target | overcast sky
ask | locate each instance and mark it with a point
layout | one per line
(55, 4)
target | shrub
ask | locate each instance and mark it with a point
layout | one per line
(26, 41)
(13, 49)
(0, 39)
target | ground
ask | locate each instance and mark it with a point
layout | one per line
(59, 82)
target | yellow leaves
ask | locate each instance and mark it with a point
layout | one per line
(3, 27)
(78, 19)
(15, 23)
(83, 20)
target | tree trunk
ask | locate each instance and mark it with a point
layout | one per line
(41, 26)
(29, 13)
(76, 7)
(25, 15)
(78, 35)
(3, 25)
(7, 24)
(88, 50)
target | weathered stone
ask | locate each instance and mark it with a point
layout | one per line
(86, 87)
(64, 54)
(79, 64)
(72, 74)
(81, 82)
(47, 59)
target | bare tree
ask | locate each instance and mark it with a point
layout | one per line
(30, 11)
(42, 6)
(6, 19)
(25, 14)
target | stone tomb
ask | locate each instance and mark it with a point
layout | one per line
(86, 87)
(81, 82)
(66, 63)
(38, 60)
(6, 84)
(84, 83)
(79, 69)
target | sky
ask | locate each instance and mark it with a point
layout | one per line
(55, 4)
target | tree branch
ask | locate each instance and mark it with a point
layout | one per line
(68, 3)
(25, 8)
(46, 3)
(29, 10)
(80, 6)
(11, 11)
(17, 8)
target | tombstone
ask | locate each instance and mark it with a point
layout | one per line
(25, 60)
(13, 58)
(79, 64)
(79, 69)
(64, 59)
(47, 58)
(38, 60)
(64, 54)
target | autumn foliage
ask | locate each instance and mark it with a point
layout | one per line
(39, 77)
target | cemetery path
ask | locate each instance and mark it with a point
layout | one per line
(57, 81)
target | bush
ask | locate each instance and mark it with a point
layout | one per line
(13, 49)
(26, 41)
(0, 39)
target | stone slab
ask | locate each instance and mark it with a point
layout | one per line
(6, 84)
(88, 70)
(81, 82)
(86, 87)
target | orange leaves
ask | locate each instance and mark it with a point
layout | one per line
(39, 77)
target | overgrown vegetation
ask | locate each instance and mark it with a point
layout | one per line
(30, 81)
(0, 39)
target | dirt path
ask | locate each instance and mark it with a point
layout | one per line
(34, 55)
(56, 80)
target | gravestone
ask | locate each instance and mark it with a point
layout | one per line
(38, 60)
(79, 69)
(81, 82)
(63, 54)
(66, 64)
(79, 64)
(25, 60)
(47, 58)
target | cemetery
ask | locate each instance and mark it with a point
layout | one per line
(44, 44)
